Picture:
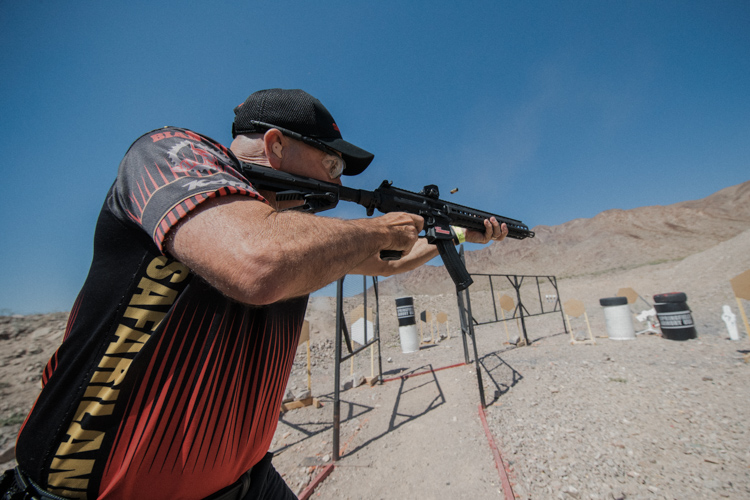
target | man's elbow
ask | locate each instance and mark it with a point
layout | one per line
(258, 286)
(243, 285)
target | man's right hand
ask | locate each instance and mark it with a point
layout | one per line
(402, 230)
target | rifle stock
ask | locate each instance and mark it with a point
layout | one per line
(438, 214)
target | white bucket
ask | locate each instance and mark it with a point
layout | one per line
(618, 318)
(409, 338)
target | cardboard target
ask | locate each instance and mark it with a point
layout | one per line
(741, 285)
(507, 303)
(574, 307)
(628, 293)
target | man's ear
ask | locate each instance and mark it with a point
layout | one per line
(273, 143)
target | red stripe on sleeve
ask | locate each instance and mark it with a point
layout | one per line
(137, 204)
(180, 211)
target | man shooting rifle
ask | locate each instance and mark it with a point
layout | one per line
(180, 344)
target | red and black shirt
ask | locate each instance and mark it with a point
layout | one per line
(163, 387)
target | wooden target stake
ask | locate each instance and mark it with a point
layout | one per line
(305, 337)
(426, 318)
(308, 401)
(741, 288)
(507, 304)
(575, 308)
(442, 319)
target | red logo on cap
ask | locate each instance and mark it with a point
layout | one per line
(336, 127)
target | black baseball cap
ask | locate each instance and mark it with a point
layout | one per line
(305, 116)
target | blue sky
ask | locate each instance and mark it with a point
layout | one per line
(541, 111)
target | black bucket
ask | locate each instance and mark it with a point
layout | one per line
(405, 311)
(674, 315)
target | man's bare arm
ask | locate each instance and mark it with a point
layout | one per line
(423, 252)
(257, 255)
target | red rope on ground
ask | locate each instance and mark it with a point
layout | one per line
(342, 450)
(509, 495)
(404, 377)
(307, 492)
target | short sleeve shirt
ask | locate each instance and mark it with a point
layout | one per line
(163, 387)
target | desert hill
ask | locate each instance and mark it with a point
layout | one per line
(611, 241)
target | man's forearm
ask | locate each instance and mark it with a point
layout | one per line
(314, 251)
(257, 255)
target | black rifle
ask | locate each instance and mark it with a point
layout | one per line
(438, 215)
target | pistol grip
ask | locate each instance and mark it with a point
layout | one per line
(390, 254)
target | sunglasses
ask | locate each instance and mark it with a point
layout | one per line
(332, 162)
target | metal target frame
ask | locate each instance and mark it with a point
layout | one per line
(468, 321)
(344, 338)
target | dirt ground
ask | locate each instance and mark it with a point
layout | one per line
(419, 436)
(646, 418)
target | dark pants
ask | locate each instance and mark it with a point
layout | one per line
(16, 486)
(265, 483)
(262, 483)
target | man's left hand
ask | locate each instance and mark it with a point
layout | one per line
(493, 230)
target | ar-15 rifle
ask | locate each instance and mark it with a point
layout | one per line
(438, 215)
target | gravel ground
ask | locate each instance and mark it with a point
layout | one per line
(644, 418)
(641, 418)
